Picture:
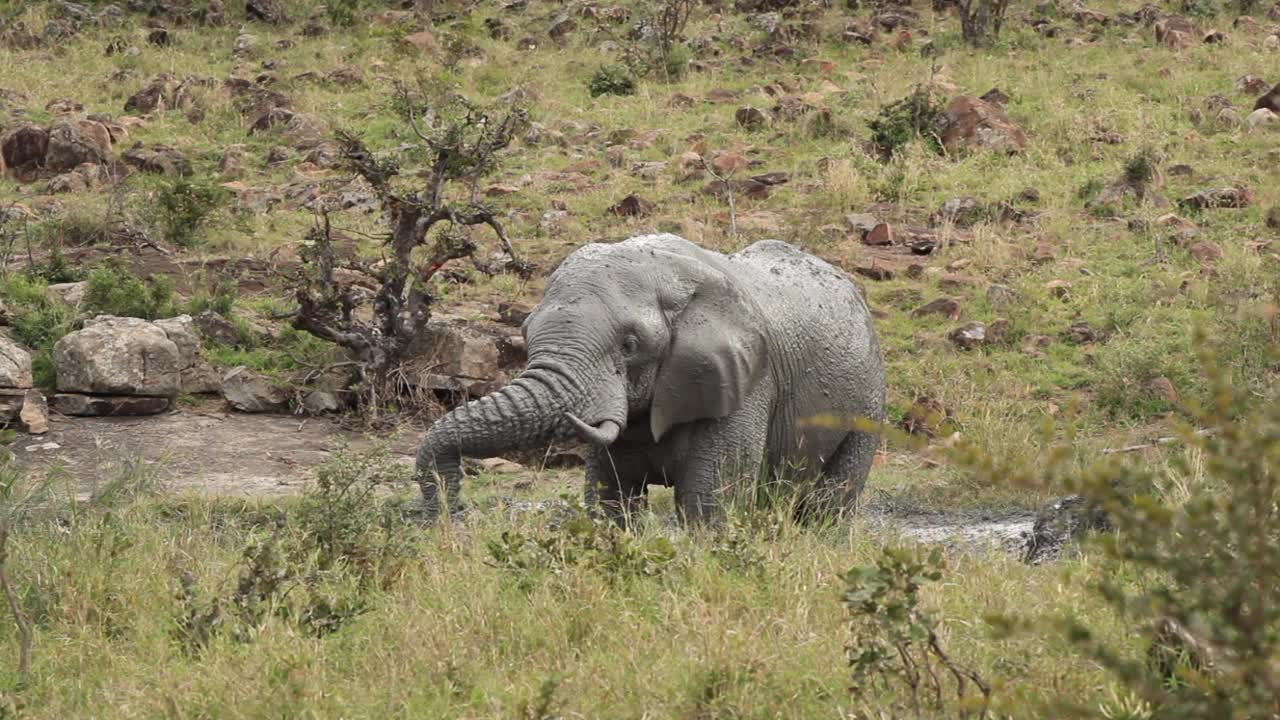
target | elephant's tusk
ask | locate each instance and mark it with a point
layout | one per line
(604, 434)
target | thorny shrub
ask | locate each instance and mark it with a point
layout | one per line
(894, 641)
(612, 80)
(114, 290)
(185, 207)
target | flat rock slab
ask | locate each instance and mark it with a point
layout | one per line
(209, 453)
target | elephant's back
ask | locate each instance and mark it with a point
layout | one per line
(826, 354)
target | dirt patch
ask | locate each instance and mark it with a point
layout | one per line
(218, 453)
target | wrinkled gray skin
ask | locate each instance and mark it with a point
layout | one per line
(683, 367)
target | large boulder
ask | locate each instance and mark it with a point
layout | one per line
(23, 149)
(971, 122)
(73, 143)
(15, 365)
(197, 376)
(158, 159)
(118, 356)
(461, 357)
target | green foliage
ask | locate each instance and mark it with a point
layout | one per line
(218, 296)
(114, 290)
(1199, 8)
(916, 116)
(612, 80)
(185, 207)
(343, 13)
(56, 269)
(894, 641)
(579, 539)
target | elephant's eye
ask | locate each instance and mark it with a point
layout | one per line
(630, 344)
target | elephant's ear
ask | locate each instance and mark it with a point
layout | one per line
(716, 357)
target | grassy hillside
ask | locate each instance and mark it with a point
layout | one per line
(1101, 292)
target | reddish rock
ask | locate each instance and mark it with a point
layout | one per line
(946, 307)
(424, 41)
(728, 163)
(24, 148)
(74, 143)
(1058, 288)
(1175, 32)
(973, 123)
(1206, 252)
(880, 235)
(632, 206)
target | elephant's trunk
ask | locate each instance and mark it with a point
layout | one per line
(530, 410)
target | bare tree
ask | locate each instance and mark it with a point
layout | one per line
(461, 145)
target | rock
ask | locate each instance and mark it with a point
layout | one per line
(1081, 333)
(1175, 31)
(1232, 197)
(946, 307)
(1270, 101)
(1206, 252)
(728, 163)
(632, 206)
(74, 143)
(160, 37)
(233, 165)
(158, 159)
(1214, 37)
(15, 365)
(249, 392)
(23, 149)
(35, 413)
(161, 94)
(318, 402)
(11, 405)
(107, 405)
(278, 154)
(926, 417)
(1060, 522)
(969, 336)
(500, 466)
(1000, 296)
(181, 331)
(751, 118)
(458, 350)
(1163, 388)
(648, 170)
(1034, 345)
(1058, 288)
(860, 223)
(956, 281)
(201, 378)
(874, 272)
(961, 212)
(423, 41)
(561, 27)
(117, 356)
(267, 11)
(71, 293)
(1251, 85)
(973, 123)
(1262, 118)
(879, 235)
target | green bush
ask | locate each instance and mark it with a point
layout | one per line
(612, 80)
(898, 123)
(185, 206)
(37, 321)
(343, 13)
(114, 290)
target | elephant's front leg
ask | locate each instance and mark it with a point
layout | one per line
(718, 458)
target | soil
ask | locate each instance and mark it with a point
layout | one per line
(216, 452)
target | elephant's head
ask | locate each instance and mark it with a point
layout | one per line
(652, 330)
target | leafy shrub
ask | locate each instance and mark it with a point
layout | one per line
(36, 321)
(343, 13)
(580, 539)
(185, 206)
(898, 123)
(114, 290)
(56, 269)
(612, 80)
(1195, 547)
(218, 296)
(895, 641)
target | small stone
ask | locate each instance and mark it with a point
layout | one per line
(1232, 197)
(633, 206)
(500, 466)
(881, 234)
(35, 413)
(969, 336)
(751, 118)
(318, 402)
(561, 27)
(1251, 85)
(1044, 253)
(217, 328)
(728, 163)
(1058, 288)
(1000, 296)
(1081, 333)
(1163, 388)
(1262, 118)
(1206, 252)
(648, 170)
(946, 307)
(874, 272)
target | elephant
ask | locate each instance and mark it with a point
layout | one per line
(682, 366)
